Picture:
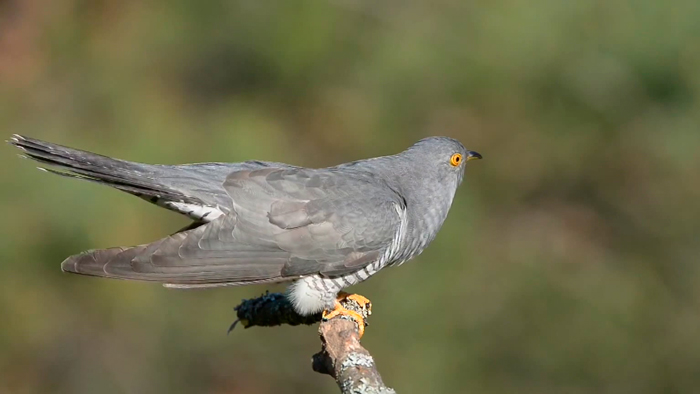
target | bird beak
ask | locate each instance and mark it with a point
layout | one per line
(471, 155)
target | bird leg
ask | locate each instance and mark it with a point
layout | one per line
(340, 310)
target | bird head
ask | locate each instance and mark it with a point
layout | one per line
(442, 157)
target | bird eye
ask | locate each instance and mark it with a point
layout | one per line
(456, 159)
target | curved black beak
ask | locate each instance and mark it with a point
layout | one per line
(471, 155)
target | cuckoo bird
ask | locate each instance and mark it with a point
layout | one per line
(264, 222)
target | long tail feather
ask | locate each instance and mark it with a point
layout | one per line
(134, 178)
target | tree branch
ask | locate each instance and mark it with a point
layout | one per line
(341, 356)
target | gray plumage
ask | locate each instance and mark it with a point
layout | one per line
(264, 222)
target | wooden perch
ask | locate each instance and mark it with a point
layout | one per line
(341, 356)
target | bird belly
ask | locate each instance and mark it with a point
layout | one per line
(315, 293)
(309, 295)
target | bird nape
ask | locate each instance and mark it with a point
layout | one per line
(257, 222)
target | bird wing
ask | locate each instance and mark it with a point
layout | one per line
(285, 224)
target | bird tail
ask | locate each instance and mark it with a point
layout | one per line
(135, 178)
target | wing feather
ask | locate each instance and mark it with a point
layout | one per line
(285, 224)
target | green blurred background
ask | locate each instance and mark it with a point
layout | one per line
(569, 261)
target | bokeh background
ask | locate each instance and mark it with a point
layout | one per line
(569, 261)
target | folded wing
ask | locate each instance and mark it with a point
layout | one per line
(285, 224)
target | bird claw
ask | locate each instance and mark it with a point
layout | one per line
(361, 300)
(363, 303)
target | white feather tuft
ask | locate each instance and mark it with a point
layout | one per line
(306, 300)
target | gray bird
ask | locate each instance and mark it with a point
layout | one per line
(264, 222)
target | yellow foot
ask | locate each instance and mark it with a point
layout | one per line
(361, 300)
(340, 310)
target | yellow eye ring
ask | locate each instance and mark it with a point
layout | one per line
(456, 159)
